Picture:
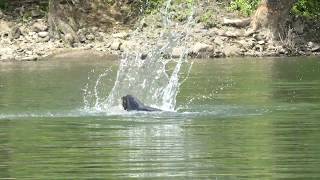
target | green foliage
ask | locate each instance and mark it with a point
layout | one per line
(208, 19)
(182, 9)
(307, 8)
(3, 4)
(246, 7)
(109, 1)
(151, 6)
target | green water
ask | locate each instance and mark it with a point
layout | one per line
(236, 119)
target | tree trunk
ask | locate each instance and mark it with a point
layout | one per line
(272, 14)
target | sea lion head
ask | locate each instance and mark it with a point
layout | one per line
(130, 103)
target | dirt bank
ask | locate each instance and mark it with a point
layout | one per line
(211, 35)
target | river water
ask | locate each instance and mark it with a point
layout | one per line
(254, 118)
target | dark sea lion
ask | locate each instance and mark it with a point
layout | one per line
(131, 103)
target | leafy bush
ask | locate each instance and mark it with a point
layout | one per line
(246, 7)
(154, 5)
(3, 4)
(208, 19)
(307, 8)
(182, 9)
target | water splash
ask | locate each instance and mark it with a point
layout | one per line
(150, 79)
(92, 96)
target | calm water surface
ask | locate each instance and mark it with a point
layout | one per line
(236, 119)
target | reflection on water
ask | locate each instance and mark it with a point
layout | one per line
(236, 119)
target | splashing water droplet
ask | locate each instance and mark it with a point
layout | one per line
(147, 78)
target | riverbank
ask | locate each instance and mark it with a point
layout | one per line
(211, 35)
